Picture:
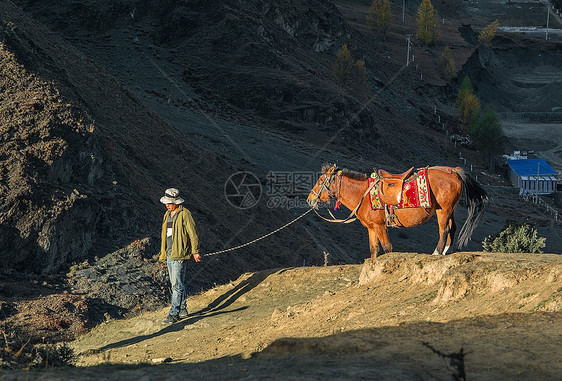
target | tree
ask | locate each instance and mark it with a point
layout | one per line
(446, 65)
(359, 79)
(352, 75)
(487, 34)
(344, 65)
(467, 84)
(379, 16)
(467, 103)
(488, 135)
(428, 23)
(469, 107)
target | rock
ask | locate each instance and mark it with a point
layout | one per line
(162, 360)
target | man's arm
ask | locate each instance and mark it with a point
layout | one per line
(163, 254)
(192, 231)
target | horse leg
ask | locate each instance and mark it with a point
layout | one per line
(382, 234)
(443, 220)
(377, 235)
(451, 235)
(373, 243)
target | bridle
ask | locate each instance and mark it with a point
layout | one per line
(328, 178)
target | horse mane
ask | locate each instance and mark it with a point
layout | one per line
(346, 172)
(354, 174)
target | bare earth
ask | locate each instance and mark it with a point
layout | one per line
(401, 316)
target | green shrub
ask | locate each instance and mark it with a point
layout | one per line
(53, 355)
(515, 238)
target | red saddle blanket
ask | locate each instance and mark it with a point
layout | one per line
(415, 191)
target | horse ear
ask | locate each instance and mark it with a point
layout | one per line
(328, 168)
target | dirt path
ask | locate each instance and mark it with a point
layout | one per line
(499, 314)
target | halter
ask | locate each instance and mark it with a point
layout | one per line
(326, 184)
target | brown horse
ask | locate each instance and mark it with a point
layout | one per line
(446, 186)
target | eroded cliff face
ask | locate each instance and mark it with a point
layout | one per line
(519, 75)
(51, 160)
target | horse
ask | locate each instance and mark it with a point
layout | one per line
(446, 185)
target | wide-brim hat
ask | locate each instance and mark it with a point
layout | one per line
(172, 196)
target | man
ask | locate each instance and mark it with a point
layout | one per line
(179, 244)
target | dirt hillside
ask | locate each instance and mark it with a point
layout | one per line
(407, 316)
(84, 163)
(281, 57)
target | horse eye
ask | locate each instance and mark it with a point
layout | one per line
(390, 185)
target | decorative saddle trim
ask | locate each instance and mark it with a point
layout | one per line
(414, 190)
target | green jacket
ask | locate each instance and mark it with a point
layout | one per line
(185, 241)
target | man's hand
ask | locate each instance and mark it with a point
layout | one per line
(197, 257)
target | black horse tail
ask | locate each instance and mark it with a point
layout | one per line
(477, 201)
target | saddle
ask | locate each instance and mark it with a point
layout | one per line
(390, 188)
(400, 176)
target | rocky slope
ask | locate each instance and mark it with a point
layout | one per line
(271, 65)
(518, 75)
(84, 163)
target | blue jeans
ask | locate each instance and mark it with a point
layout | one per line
(176, 272)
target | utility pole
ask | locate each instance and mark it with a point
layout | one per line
(409, 44)
(547, 18)
(403, 9)
(537, 190)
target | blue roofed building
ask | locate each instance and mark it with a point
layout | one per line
(532, 176)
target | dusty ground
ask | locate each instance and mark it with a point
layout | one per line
(497, 314)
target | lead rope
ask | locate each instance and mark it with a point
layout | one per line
(260, 238)
(349, 218)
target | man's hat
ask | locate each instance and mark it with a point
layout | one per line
(172, 197)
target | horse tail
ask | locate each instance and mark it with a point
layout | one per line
(477, 201)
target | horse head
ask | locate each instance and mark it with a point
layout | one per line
(322, 189)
